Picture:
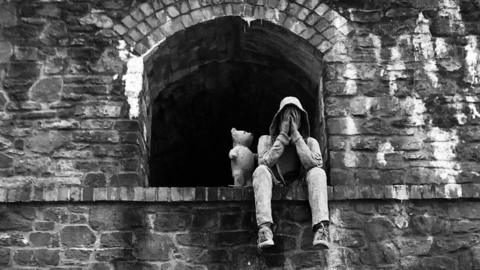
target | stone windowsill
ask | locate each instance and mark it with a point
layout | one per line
(210, 194)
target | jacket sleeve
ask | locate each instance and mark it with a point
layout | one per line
(268, 154)
(310, 155)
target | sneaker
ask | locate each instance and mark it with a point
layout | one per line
(265, 237)
(321, 236)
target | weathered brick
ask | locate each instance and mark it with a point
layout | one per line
(96, 136)
(94, 180)
(4, 256)
(77, 236)
(126, 179)
(19, 219)
(43, 240)
(37, 257)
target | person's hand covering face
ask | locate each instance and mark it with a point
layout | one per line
(292, 116)
(285, 123)
(295, 120)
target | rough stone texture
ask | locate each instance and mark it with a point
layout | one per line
(46, 90)
(77, 236)
(427, 234)
(401, 81)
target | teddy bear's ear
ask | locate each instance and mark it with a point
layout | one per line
(233, 130)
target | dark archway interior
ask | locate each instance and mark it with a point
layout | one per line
(215, 76)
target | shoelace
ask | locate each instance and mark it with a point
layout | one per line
(323, 231)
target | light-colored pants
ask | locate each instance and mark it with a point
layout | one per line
(317, 194)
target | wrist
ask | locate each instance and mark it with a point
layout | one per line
(295, 136)
(283, 138)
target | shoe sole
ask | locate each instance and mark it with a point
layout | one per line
(265, 244)
(321, 243)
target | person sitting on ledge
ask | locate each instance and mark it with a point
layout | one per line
(286, 155)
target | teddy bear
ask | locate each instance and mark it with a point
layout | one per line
(241, 158)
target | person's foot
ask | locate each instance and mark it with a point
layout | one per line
(265, 237)
(321, 236)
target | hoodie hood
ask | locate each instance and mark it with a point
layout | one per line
(287, 102)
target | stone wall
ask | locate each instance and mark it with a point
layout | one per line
(401, 82)
(366, 234)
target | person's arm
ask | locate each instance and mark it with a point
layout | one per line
(268, 154)
(310, 155)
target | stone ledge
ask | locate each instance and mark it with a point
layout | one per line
(206, 194)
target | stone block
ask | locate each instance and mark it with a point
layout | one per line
(13, 240)
(417, 246)
(146, 8)
(94, 179)
(116, 239)
(194, 4)
(126, 180)
(112, 109)
(4, 256)
(44, 226)
(92, 136)
(8, 14)
(78, 254)
(5, 161)
(129, 21)
(172, 11)
(39, 239)
(47, 141)
(37, 257)
(365, 16)
(77, 236)
(200, 194)
(23, 70)
(6, 51)
(18, 219)
(135, 34)
(182, 194)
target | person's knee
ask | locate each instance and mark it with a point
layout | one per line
(261, 173)
(316, 174)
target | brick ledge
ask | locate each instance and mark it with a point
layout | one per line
(207, 194)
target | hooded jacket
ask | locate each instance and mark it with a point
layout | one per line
(289, 159)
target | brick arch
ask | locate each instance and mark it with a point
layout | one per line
(150, 23)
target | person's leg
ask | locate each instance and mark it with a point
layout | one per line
(262, 190)
(318, 198)
(317, 195)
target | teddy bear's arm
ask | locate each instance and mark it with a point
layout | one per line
(233, 154)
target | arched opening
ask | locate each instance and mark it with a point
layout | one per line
(217, 75)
